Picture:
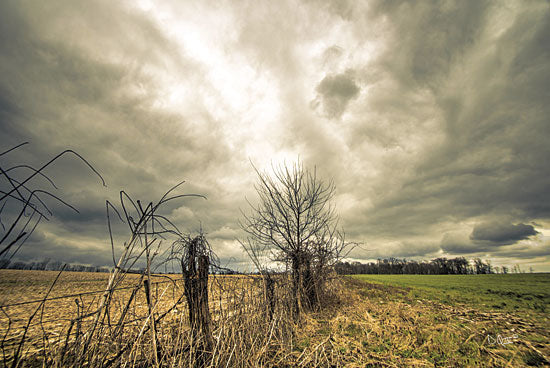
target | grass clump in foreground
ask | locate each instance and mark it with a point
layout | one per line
(382, 326)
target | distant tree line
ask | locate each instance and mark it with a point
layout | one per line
(386, 266)
(437, 266)
(53, 265)
(48, 265)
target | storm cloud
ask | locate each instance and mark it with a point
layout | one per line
(335, 92)
(431, 117)
(502, 233)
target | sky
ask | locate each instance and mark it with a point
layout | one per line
(431, 117)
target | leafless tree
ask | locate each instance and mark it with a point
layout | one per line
(294, 223)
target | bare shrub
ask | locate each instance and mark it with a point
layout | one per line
(294, 224)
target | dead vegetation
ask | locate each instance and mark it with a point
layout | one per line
(206, 321)
(372, 325)
(294, 225)
(240, 333)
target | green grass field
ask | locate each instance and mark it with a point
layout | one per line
(529, 293)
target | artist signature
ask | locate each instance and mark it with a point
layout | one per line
(501, 340)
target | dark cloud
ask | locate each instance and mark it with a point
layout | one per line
(460, 244)
(44, 244)
(478, 110)
(428, 38)
(502, 233)
(58, 92)
(335, 93)
(497, 238)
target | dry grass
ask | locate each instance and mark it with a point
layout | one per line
(360, 325)
(53, 319)
(381, 326)
(243, 336)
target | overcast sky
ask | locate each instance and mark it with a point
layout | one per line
(433, 118)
